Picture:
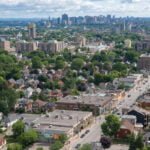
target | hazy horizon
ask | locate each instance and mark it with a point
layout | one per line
(45, 8)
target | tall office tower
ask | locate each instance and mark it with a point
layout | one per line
(124, 25)
(65, 19)
(32, 30)
(129, 27)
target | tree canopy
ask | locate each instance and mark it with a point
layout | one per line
(111, 125)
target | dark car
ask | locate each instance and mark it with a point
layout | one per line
(82, 135)
(77, 146)
(87, 131)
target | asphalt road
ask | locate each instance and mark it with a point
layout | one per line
(92, 136)
(133, 94)
(129, 100)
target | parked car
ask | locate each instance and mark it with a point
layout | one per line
(87, 131)
(82, 135)
(77, 146)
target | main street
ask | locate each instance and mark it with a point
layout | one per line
(92, 136)
(128, 101)
(132, 95)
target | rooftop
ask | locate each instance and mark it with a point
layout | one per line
(64, 118)
(99, 99)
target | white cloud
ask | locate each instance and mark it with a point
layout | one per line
(44, 8)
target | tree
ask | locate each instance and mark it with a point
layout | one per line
(111, 125)
(107, 66)
(14, 146)
(8, 98)
(36, 62)
(119, 67)
(131, 56)
(18, 128)
(132, 143)
(56, 146)
(63, 138)
(86, 147)
(28, 138)
(106, 142)
(139, 142)
(77, 63)
(136, 142)
(60, 64)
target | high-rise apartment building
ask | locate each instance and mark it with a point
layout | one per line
(79, 41)
(128, 43)
(24, 46)
(144, 62)
(143, 45)
(51, 46)
(5, 45)
(32, 30)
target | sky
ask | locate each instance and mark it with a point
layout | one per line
(54, 8)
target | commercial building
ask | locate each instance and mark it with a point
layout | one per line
(129, 81)
(55, 123)
(144, 101)
(97, 103)
(51, 46)
(23, 46)
(62, 122)
(32, 30)
(144, 62)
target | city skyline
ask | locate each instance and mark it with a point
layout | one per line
(45, 8)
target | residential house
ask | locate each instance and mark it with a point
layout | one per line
(132, 119)
(24, 106)
(20, 83)
(28, 92)
(38, 106)
(125, 130)
(56, 94)
(142, 115)
(49, 107)
(12, 82)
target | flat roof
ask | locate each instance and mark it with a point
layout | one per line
(65, 118)
(99, 99)
(53, 128)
